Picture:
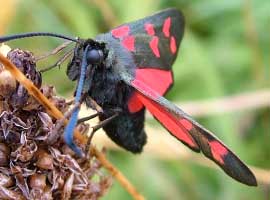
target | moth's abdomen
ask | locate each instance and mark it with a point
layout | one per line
(127, 130)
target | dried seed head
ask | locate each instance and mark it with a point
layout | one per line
(7, 83)
(68, 151)
(34, 161)
(44, 160)
(59, 102)
(25, 62)
(25, 152)
(41, 194)
(37, 181)
(4, 154)
(6, 181)
(10, 194)
(4, 49)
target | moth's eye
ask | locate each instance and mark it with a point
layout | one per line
(95, 56)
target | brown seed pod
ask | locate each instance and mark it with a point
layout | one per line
(44, 160)
(7, 83)
(4, 154)
(41, 194)
(6, 181)
(24, 61)
(37, 181)
(4, 49)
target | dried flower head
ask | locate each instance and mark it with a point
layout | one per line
(25, 61)
(7, 83)
(35, 163)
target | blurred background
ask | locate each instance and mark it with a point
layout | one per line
(222, 78)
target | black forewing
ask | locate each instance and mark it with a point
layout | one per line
(143, 56)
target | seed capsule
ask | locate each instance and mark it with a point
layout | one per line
(45, 160)
(37, 181)
(4, 154)
(25, 62)
(7, 83)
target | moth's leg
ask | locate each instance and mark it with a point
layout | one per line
(54, 51)
(83, 119)
(98, 126)
(93, 104)
(59, 62)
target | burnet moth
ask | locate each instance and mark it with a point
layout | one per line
(128, 70)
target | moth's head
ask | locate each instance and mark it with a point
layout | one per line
(96, 52)
(92, 51)
(94, 56)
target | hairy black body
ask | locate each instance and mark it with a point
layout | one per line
(112, 94)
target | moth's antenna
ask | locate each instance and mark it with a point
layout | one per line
(68, 134)
(36, 34)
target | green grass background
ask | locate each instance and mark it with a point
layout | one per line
(225, 51)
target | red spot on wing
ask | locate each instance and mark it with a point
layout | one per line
(148, 80)
(128, 42)
(154, 46)
(134, 103)
(120, 31)
(187, 124)
(173, 45)
(158, 80)
(166, 27)
(169, 121)
(149, 29)
(218, 151)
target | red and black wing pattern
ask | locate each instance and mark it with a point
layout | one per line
(154, 40)
(191, 133)
(144, 52)
(153, 43)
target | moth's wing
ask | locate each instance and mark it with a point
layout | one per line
(143, 53)
(147, 48)
(191, 133)
(153, 41)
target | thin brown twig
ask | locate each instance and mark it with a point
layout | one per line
(53, 111)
